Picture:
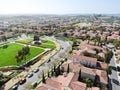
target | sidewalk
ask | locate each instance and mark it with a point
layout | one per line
(16, 79)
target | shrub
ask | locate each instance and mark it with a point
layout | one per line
(5, 46)
(118, 68)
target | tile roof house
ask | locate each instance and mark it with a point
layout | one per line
(88, 73)
(74, 67)
(102, 65)
(102, 76)
(78, 85)
(63, 82)
(88, 61)
(46, 87)
(93, 88)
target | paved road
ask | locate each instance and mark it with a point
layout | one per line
(64, 48)
(113, 76)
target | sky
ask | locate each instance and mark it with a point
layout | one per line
(59, 6)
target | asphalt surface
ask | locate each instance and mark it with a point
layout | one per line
(115, 84)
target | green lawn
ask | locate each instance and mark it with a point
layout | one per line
(48, 44)
(7, 56)
(25, 40)
(82, 25)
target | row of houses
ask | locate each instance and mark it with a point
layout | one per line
(87, 72)
(69, 81)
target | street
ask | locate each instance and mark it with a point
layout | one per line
(113, 77)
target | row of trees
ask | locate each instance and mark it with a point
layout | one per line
(55, 72)
(22, 53)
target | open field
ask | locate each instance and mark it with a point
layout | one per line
(82, 25)
(7, 55)
(48, 44)
(25, 40)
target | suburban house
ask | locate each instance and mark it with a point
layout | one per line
(84, 60)
(67, 81)
(73, 66)
(88, 73)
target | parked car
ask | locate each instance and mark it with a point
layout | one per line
(22, 81)
(36, 70)
(15, 87)
(115, 81)
(30, 75)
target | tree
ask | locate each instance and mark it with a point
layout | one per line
(96, 80)
(48, 74)
(43, 77)
(109, 70)
(99, 40)
(108, 56)
(36, 38)
(54, 68)
(106, 39)
(52, 73)
(95, 41)
(58, 70)
(79, 78)
(116, 43)
(68, 69)
(88, 38)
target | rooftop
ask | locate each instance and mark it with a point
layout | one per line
(88, 70)
(90, 59)
(78, 85)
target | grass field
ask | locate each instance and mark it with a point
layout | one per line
(7, 56)
(25, 40)
(82, 25)
(48, 44)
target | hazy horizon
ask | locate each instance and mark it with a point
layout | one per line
(59, 7)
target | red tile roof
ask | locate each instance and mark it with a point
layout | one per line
(78, 85)
(45, 87)
(90, 59)
(88, 70)
(62, 80)
(102, 75)
(73, 66)
(102, 65)
(93, 88)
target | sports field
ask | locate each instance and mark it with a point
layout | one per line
(48, 44)
(7, 55)
(25, 40)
